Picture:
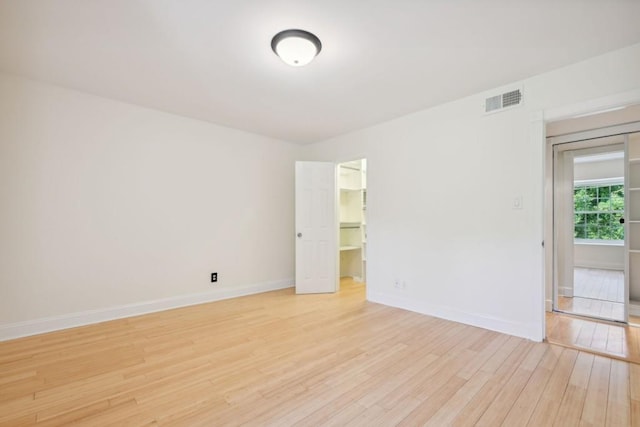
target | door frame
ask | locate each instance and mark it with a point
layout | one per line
(543, 195)
(593, 143)
(337, 194)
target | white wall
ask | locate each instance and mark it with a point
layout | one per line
(599, 170)
(441, 185)
(106, 204)
(593, 255)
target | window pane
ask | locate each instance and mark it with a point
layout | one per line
(605, 219)
(618, 232)
(617, 198)
(580, 199)
(605, 232)
(597, 212)
(616, 217)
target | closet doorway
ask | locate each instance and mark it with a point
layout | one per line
(352, 189)
(596, 222)
(589, 217)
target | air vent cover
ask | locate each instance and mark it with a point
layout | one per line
(499, 102)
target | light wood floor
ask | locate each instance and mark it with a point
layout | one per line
(596, 292)
(595, 283)
(592, 308)
(281, 359)
(613, 340)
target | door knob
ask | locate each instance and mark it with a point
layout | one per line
(299, 234)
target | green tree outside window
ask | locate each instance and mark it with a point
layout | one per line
(597, 212)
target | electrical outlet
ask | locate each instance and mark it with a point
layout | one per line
(400, 284)
(214, 277)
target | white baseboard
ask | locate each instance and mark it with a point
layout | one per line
(548, 305)
(599, 265)
(65, 321)
(565, 291)
(532, 331)
(634, 308)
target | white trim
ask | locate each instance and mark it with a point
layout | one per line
(72, 320)
(600, 265)
(603, 132)
(606, 110)
(600, 157)
(594, 105)
(597, 242)
(598, 182)
(634, 309)
(548, 305)
(525, 330)
(538, 120)
(537, 132)
(565, 291)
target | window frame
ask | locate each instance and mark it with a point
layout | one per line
(604, 182)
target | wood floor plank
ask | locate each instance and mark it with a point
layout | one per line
(618, 407)
(281, 359)
(612, 340)
(501, 405)
(570, 410)
(509, 361)
(431, 402)
(595, 404)
(521, 411)
(547, 407)
(634, 393)
(450, 410)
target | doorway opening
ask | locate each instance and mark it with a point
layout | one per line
(352, 189)
(589, 232)
(594, 193)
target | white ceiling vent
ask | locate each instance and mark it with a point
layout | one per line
(503, 101)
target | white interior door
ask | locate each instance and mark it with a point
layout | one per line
(316, 228)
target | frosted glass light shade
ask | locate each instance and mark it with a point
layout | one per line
(296, 47)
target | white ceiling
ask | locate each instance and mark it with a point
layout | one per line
(212, 60)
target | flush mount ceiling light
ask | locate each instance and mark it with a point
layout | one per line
(296, 47)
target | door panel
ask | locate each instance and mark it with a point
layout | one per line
(316, 228)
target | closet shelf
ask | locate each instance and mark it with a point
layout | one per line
(353, 198)
(350, 224)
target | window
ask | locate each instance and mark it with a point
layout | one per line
(598, 210)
